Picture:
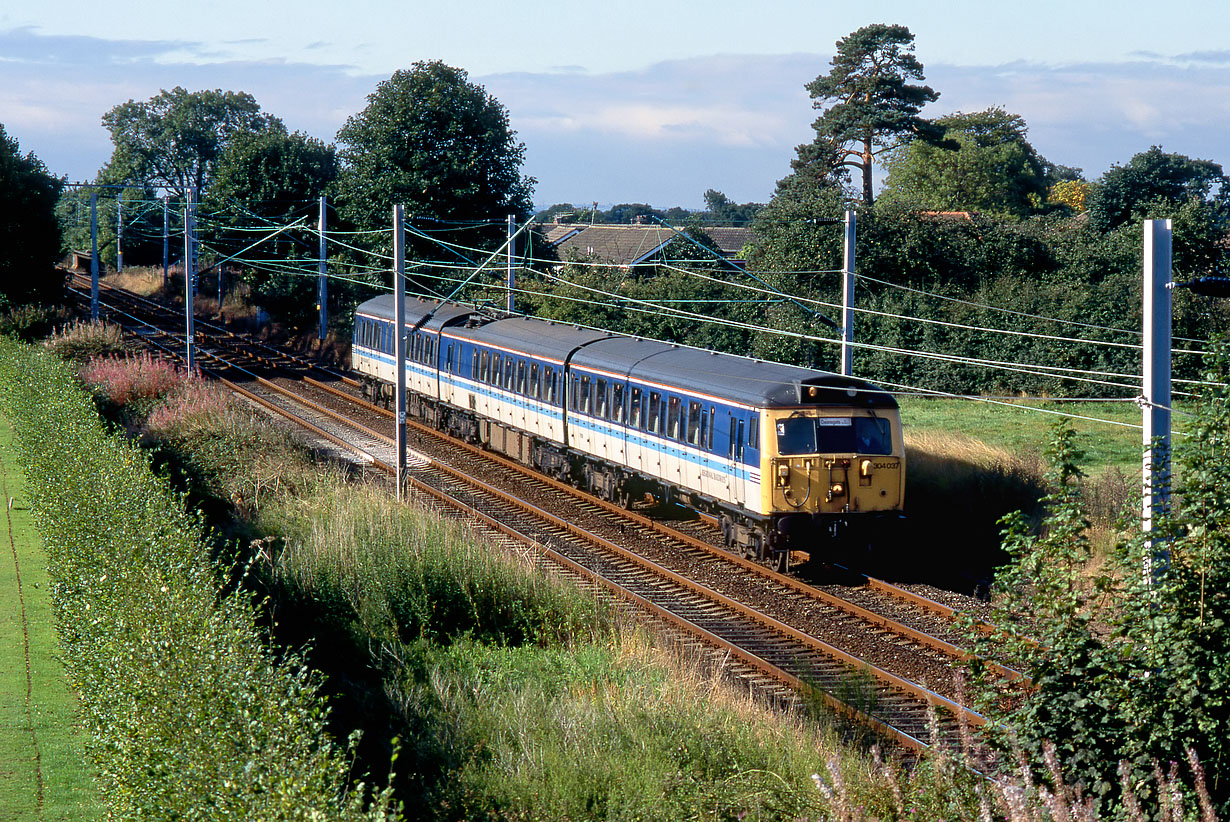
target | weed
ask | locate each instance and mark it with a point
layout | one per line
(81, 341)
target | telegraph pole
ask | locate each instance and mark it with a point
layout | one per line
(166, 238)
(93, 255)
(189, 275)
(512, 273)
(399, 337)
(847, 297)
(119, 232)
(1155, 400)
(322, 289)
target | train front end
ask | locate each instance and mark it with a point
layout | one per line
(834, 468)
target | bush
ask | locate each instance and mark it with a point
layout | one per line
(81, 341)
(189, 714)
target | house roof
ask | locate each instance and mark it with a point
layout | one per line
(629, 245)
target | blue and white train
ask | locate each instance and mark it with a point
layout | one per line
(784, 457)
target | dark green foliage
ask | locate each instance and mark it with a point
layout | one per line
(721, 209)
(994, 170)
(440, 145)
(869, 104)
(265, 181)
(29, 232)
(1151, 184)
(188, 713)
(175, 138)
(1132, 665)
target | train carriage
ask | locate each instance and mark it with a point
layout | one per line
(784, 457)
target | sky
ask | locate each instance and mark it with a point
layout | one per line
(620, 102)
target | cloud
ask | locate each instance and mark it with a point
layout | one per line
(662, 134)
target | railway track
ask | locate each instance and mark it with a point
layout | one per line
(886, 660)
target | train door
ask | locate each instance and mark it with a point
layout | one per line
(736, 482)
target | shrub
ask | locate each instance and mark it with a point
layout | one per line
(131, 379)
(189, 714)
(81, 341)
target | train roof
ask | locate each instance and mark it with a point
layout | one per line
(537, 338)
(739, 379)
(438, 314)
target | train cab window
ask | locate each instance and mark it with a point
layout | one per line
(654, 417)
(617, 402)
(673, 412)
(601, 404)
(635, 417)
(695, 418)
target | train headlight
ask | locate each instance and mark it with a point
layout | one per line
(783, 474)
(864, 468)
(837, 490)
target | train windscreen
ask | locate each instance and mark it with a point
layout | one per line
(798, 436)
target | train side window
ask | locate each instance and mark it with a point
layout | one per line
(548, 380)
(535, 381)
(510, 372)
(635, 418)
(708, 438)
(617, 402)
(695, 416)
(475, 371)
(522, 384)
(655, 412)
(448, 360)
(674, 408)
(587, 399)
(753, 433)
(600, 400)
(484, 366)
(734, 438)
(431, 350)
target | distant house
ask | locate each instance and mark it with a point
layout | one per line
(631, 245)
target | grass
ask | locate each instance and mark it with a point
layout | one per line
(43, 770)
(1022, 429)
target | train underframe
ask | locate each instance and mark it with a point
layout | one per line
(763, 539)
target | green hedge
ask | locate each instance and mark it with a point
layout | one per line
(189, 714)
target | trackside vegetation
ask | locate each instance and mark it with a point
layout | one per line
(188, 713)
(506, 694)
(229, 601)
(1131, 665)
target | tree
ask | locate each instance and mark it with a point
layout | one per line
(724, 210)
(431, 140)
(1152, 184)
(265, 180)
(869, 105)
(29, 231)
(175, 138)
(994, 169)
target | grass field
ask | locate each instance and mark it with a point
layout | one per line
(1024, 428)
(43, 772)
